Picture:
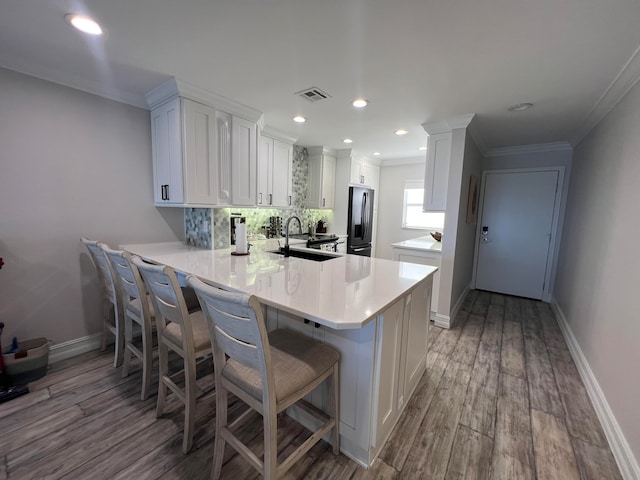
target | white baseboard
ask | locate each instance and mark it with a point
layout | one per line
(620, 448)
(77, 346)
(442, 321)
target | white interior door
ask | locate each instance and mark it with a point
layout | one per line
(515, 232)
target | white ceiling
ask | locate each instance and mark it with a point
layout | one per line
(416, 61)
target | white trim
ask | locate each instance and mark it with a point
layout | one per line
(525, 149)
(72, 348)
(621, 85)
(461, 121)
(271, 132)
(442, 321)
(620, 448)
(392, 162)
(174, 87)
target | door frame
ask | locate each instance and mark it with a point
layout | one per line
(546, 293)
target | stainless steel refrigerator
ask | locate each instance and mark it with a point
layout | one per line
(360, 221)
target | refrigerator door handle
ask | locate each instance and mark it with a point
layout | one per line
(364, 215)
(359, 249)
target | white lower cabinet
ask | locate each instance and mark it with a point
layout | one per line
(380, 366)
(423, 257)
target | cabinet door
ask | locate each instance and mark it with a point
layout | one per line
(416, 326)
(388, 358)
(356, 174)
(282, 176)
(436, 177)
(265, 167)
(433, 260)
(328, 181)
(166, 143)
(244, 161)
(200, 153)
(223, 127)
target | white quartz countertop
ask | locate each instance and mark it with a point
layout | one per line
(342, 293)
(426, 243)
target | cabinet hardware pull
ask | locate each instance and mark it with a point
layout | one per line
(289, 200)
(271, 199)
(323, 202)
(260, 202)
(317, 325)
(306, 320)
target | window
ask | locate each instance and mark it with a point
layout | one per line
(412, 214)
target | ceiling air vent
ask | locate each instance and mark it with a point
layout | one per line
(313, 94)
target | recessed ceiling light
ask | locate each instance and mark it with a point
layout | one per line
(299, 119)
(401, 131)
(422, 148)
(84, 24)
(518, 107)
(347, 140)
(360, 102)
(376, 153)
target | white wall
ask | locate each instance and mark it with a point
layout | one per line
(598, 280)
(390, 206)
(72, 164)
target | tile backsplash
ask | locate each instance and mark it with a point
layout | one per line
(209, 227)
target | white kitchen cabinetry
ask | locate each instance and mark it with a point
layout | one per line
(184, 141)
(436, 177)
(322, 172)
(422, 257)
(364, 173)
(204, 147)
(275, 173)
(380, 366)
(244, 165)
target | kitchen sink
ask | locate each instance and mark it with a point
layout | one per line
(316, 257)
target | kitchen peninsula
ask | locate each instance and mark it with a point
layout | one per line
(374, 311)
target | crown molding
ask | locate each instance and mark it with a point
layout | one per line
(527, 149)
(321, 150)
(174, 87)
(460, 121)
(351, 153)
(394, 162)
(619, 87)
(62, 78)
(271, 132)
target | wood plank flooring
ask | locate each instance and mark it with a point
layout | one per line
(501, 399)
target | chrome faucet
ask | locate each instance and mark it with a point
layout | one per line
(286, 240)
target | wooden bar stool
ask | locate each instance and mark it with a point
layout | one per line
(269, 372)
(185, 333)
(138, 309)
(111, 300)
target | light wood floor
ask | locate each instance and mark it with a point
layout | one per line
(501, 399)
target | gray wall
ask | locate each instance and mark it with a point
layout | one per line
(599, 267)
(71, 164)
(390, 205)
(465, 236)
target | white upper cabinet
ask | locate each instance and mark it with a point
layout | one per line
(275, 172)
(244, 155)
(166, 141)
(322, 172)
(364, 173)
(184, 144)
(436, 177)
(204, 147)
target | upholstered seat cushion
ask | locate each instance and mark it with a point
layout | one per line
(296, 361)
(200, 328)
(134, 307)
